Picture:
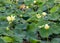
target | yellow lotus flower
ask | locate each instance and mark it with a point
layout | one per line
(44, 13)
(10, 18)
(47, 26)
(38, 15)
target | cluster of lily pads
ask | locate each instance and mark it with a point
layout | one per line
(29, 21)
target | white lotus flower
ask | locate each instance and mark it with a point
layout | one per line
(44, 13)
(38, 15)
(10, 18)
(27, 7)
(47, 26)
(34, 1)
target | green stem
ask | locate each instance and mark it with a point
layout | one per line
(47, 39)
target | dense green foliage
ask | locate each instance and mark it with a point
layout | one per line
(29, 21)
